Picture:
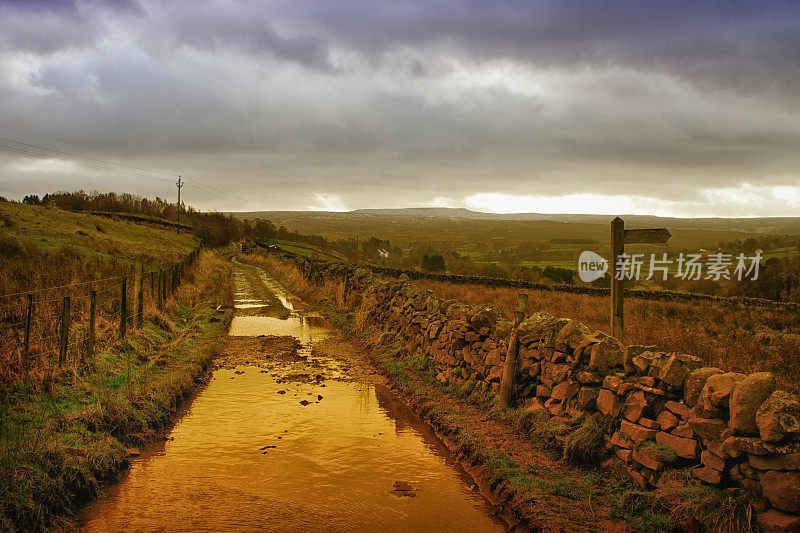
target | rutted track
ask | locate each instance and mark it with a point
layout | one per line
(284, 439)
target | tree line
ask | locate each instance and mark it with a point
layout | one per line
(213, 228)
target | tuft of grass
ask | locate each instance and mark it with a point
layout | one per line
(585, 444)
(660, 452)
(683, 504)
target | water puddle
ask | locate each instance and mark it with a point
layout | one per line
(292, 444)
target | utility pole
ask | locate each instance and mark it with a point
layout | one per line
(180, 186)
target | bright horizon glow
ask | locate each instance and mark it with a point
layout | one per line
(744, 201)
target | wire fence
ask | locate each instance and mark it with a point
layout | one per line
(62, 325)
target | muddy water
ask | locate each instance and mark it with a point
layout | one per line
(246, 457)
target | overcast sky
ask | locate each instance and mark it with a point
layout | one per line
(669, 108)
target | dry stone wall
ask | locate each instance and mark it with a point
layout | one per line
(663, 410)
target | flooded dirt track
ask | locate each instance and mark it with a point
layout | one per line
(283, 439)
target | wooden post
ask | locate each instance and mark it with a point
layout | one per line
(123, 307)
(63, 340)
(26, 364)
(180, 186)
(510, 368)
(160, 297)
(139, 308)
(90, 337)
(617, 306)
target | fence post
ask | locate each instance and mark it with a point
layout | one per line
(159, 294)
(510, 368)
(63, 340)
(26, 346)
(90, 338)
(139, 309)
(617, 305)
(123, 307)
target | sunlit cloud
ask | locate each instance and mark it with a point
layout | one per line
(328, 202)
(584, 203)
(45, 166)
(441, 201)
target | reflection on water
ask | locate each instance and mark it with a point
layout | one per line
(306, 329)
(332, 467)
(248, 457)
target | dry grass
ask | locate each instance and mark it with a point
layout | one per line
(742, 339)
(291, 276)
(57, 253)
(60, 437)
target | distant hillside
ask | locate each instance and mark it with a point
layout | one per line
(463, 225)
(774, 225)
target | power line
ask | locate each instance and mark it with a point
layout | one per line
(86, 157)
(97, 167)
(219, 190)
(219, 194)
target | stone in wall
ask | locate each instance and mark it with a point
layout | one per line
(607, 355)
(746, 399)
(778, 418)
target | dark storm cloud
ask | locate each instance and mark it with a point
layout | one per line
(400, 103)
(725, 43)
(47, 26)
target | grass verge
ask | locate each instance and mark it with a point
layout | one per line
(61, 438)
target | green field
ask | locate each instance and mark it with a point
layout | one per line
(92, 236)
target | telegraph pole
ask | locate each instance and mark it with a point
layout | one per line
(180, 186)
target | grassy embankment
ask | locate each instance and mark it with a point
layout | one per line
(733, 338)
(514, 451)
(48, 251)
(64, 428)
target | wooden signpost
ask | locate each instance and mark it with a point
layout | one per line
(619, 238)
